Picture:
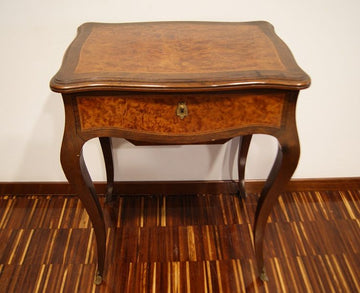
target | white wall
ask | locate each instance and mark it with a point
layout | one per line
(324, 37)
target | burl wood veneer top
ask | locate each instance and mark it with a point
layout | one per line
(177, 56)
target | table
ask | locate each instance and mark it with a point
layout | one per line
(178, 83)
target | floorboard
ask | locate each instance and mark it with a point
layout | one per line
(195, 243)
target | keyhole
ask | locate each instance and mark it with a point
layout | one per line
(181, 110)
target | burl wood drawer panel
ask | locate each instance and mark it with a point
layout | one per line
(156, 113)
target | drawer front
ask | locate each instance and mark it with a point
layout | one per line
(164, 114)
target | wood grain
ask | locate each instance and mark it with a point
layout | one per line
(196, 243)
(178, 56)
(128, 188)
(156, 114)
(176, 48)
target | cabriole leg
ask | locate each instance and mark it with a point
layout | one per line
(109, 166)
(285, 164)
(75, 170)
(244, 145)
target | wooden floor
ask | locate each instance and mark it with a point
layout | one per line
(199, 243)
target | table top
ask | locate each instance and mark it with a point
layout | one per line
(177, 56)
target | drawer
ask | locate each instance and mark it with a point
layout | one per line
(180, 114)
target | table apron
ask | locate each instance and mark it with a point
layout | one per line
(155, 117)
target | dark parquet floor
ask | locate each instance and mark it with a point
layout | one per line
(195, 243)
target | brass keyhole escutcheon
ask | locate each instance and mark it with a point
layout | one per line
(181, 110)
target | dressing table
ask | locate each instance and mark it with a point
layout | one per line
(174, 83)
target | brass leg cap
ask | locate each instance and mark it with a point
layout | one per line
(98, 279)
(263, 276)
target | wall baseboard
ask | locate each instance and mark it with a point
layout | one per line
(178, 187)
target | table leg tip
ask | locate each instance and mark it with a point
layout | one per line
(109, 197)
(241, 193)
(98, 279)
(263, 276)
